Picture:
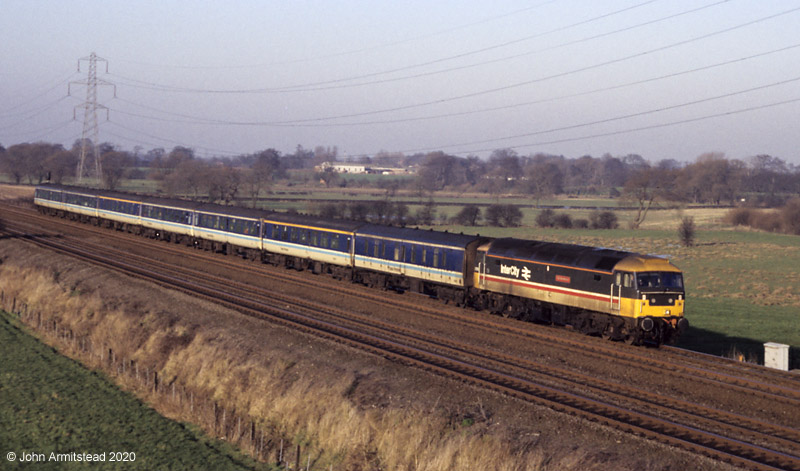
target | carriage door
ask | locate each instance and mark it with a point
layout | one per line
(616, 291)
(482, 270)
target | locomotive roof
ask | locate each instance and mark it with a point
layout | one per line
(581, 256)
(448, 239)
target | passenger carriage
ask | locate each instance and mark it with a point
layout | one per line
(307, 242)
(436, 263)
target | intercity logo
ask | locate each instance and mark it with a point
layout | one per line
(515, 271)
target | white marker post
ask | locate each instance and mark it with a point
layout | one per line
(776, 355)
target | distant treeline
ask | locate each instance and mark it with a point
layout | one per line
(711, 179)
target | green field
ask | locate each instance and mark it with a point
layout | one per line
(51, 404)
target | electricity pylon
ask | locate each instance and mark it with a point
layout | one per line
(91, 130)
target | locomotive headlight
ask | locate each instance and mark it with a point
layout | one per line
(666, 312)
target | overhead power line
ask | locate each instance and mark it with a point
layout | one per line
(191, 119)
(641, 128)
(548, 77)
(630, 115)
(8, 111)
(316, 86)
(353, 51)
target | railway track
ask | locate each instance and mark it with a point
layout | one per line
(680, 364)
(725, 436)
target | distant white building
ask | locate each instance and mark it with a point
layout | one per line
(361, 168)
(342, 167)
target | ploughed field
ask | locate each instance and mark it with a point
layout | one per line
(763, 407)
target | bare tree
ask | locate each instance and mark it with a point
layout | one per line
(61, 165)
(642, 189)
(223, 183)
(266, 166)
(114, 168)
(190, 176)
(329, 176)
(468, 216)
(686, 231)
(543, 179)
(437, 171)
(14, 162)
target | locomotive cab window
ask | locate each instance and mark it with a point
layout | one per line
(659, 281)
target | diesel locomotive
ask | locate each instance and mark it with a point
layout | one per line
(611, 293)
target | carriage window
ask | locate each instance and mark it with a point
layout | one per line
(436, 258)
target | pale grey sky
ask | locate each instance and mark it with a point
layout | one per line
(659, 78)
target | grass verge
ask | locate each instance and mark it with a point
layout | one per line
(51, 404)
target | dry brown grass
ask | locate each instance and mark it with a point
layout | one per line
(13, 192)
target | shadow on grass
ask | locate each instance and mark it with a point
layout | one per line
(738, 348)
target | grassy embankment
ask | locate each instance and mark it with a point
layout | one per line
(51, 404)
